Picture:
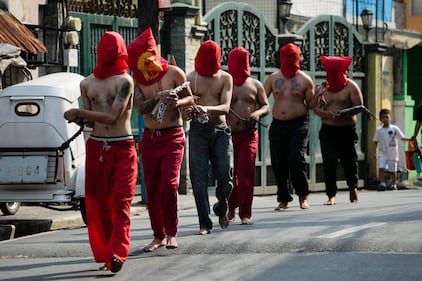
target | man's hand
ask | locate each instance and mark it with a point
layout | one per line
(72, 115)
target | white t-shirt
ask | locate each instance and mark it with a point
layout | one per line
(387, 139)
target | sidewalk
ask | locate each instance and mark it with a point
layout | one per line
(32, 219)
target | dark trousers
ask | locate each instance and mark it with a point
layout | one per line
(339, 144)
(288, 140)
(210, 143)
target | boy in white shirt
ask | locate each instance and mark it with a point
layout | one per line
(385, 140)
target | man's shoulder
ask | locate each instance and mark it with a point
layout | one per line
(352, 84)
(253, 82)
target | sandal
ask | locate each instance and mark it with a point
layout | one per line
(116, 264)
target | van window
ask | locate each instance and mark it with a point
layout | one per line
(27, 109)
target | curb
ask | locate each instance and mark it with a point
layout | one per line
(7, 232)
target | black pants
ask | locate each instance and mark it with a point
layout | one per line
(339, 144)
(288, 140)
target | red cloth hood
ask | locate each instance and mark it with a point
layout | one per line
(111, 56)
(238, 64)
(336, 68)
(207, 60)
(144, 60)
(290, 60)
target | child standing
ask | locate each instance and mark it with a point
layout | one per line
(385, 140)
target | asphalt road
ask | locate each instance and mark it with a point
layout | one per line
(378, 238)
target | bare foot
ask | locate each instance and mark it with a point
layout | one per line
(247, 221)
(231, 215)
(303, 201)
(331, 201)
(171, 242)
(154, 245)
(204, 231)
(282, 206)
(223, 221)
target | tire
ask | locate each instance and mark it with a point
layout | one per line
(82, 208)
(9, 208)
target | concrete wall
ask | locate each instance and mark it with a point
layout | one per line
(26, 11)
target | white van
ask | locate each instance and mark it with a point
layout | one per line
(42, 156)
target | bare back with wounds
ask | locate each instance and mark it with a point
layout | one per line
(249, 102)
(147, 96)
(213, 94)
(107, 105)
(347, 97)
(292, 96)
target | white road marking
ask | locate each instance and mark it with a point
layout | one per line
(351, 230)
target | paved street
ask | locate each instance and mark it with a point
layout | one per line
(377, 239)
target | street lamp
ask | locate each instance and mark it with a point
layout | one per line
(284, 7)
(366, 17)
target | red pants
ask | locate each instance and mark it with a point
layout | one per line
(111, 173)
(162, 153)
(245, 146)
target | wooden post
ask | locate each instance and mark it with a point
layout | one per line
(148, 17)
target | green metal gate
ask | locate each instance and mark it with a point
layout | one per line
(237, 24)
(93, 27)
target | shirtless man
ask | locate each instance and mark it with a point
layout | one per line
(293, 92)
(111, 162)
(163, 139)
(249, 104)
(210, 141)
(339, 100)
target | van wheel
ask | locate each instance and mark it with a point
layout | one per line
(82, 208)
(9, 208)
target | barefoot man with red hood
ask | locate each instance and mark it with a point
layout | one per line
(211, 141)
(160, 94)
(340, 99)
(249, 104)
(293, 92)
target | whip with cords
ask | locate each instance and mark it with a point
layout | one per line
(244, 119)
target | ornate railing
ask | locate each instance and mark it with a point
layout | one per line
(118, 8)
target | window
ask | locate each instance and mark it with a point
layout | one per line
(27, 109)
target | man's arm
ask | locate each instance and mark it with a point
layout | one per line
(262, 102)
(144, 106)
(357, 103)
(185, 97)
(268, 85)
(311, 101)
(86, 105)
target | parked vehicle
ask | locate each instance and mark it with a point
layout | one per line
(9, 208)
(42, 156)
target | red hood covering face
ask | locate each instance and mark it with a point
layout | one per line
(336, 68)
(207, 60)
(290, 60)
(238, 64)
(146, 64)
(111, 56)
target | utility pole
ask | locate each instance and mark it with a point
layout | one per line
(148, 17)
